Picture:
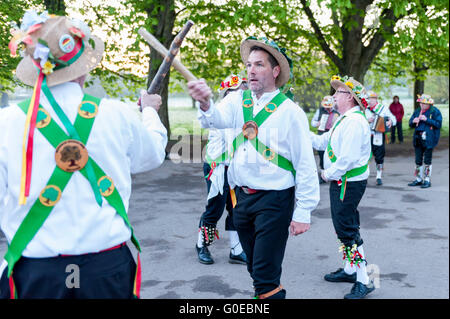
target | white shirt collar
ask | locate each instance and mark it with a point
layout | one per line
(266, 96)
(352, 110)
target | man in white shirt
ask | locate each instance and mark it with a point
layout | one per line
(215, 170)
(272, 169)
(347, 147)
(67, 235)
(378, 112)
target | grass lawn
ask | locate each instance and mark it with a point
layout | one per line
(183, 121)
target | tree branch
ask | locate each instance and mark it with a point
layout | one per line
(322, 42)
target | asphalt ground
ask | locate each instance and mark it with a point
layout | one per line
(405, 231)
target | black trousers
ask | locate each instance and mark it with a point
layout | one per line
(379, 151)
(398, 128)
(215, 206)
(103, 275)
(424, 155)
(345, 214)
(262, 221)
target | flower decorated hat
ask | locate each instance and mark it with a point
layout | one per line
(373, 94)
(231, 82)
(424, 98)
(349, 84)
(61, 48)
(327, 102)
(278, 53)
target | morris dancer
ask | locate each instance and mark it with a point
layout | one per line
(272, 168)
(67, 200)
(218, 188)
(347, 168)
(427, 122)
(324, 119)
(376, 111)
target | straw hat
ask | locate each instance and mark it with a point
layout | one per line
(49, 41)
(373, 94)
(327, 102)
(231, 82)
(278, 53)
(425, 98)
(349, 84)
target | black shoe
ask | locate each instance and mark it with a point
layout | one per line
(238, 259)
(379, 181)
(340, 276)
(204, 256)
(426, 184)
(359, 290)
(415, 183)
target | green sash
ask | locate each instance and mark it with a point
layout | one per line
(266, 152)
(351, 173)
(50, 195)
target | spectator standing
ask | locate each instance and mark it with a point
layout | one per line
(396, 108)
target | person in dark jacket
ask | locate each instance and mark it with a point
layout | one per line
(427, 122)
(396, 108)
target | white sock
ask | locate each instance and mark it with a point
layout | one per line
(427, 172)
(420, 174)
(379, 174)
(200, 240)
(349, 269)
(361, 271)
(235, 244)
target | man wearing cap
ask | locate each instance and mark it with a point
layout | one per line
(272, 168)
(380, 119)
(323, 119)
(215, 170)
(427, 122)
(65, 181)
(348, 150)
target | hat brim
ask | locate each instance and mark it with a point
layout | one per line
(27, 72)
(285, 70)
(420, 101)
(336, 84)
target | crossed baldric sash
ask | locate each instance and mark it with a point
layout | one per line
(70, 156)
(250, 132)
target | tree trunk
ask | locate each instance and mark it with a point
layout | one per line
(55, 7)
(419, 82)
(165, 14)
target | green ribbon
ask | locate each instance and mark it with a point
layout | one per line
(259, 119)
(73, 135)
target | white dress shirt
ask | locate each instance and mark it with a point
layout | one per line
(120, 143)
(350, 141)
(382, 111)
(286, 132)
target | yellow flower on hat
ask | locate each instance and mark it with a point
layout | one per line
(336, 77)
(48, 68)
(349, 84)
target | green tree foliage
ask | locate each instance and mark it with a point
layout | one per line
(50, 195)
(11, 12)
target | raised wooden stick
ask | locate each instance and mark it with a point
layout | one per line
(167, 62)
(155, 44)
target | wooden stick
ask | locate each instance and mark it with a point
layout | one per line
(167, 62)
(155, 44)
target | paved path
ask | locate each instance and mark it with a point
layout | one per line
(405, 231)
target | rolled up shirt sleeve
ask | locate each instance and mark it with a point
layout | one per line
(149, 139)
(319, 142)
(220, 115)
(307, 190)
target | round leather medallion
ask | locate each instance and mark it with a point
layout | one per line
(71, 155)
(250, 130)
